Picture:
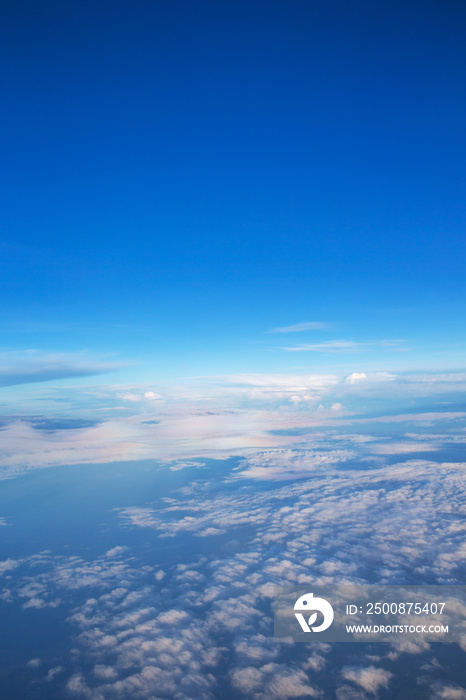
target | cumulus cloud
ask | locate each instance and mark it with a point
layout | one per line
(8, 565)
(152, 395)
(290, 464)
(105, 673)
(306, 504)
(203, 622)
(317, 496)
(355, 377)
(370, 679)
(447, 691)
(273, 681)
(372, 380)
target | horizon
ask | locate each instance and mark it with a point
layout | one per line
(232, 347)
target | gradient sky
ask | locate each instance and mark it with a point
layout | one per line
(182, 177)
(232, 246)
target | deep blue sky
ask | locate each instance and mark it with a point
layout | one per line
(180, 177)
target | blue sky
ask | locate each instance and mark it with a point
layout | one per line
(181, 178)
(233, 301)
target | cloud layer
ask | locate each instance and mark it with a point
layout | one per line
(199, 624)
(33, 366)
(236, 415)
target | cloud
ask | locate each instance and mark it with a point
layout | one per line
(202, 626)
(328, 346)
(152, 396)
(298, 327)
(305, 505)
(23, 447)
(116, 551)
(32, 366)
(403, 448)
(9, 565)
(290, 464)
(355, 378)
(427, 418)
(370, 379)
(275, 681)
(370, 679)
(141, 397)
(54, 672)
(447, 691)
(105, 673)
(265, 386)
(338, 346)
(373, 507)
(178, 466)
(219, 417)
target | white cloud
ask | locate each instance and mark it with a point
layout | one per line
(355, 377)
(140, 397)
(298, 327)
(105, 673)
(142, 634)
(427, 418)
(338, 346)
(149, 632)
(328, 346)
(30, 366)
(274, 681)
(116, 551)
(290, 464)
(216, 417)
(152, 396)
(54, 672)
(398, 448)
(371, 679)
(9, 565)
(447, 691)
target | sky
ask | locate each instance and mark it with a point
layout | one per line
(231, 340)
(182, 179)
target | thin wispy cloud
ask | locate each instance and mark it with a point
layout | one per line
(298, 327)
(332, 346)
(328, 346)
(32, 366)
